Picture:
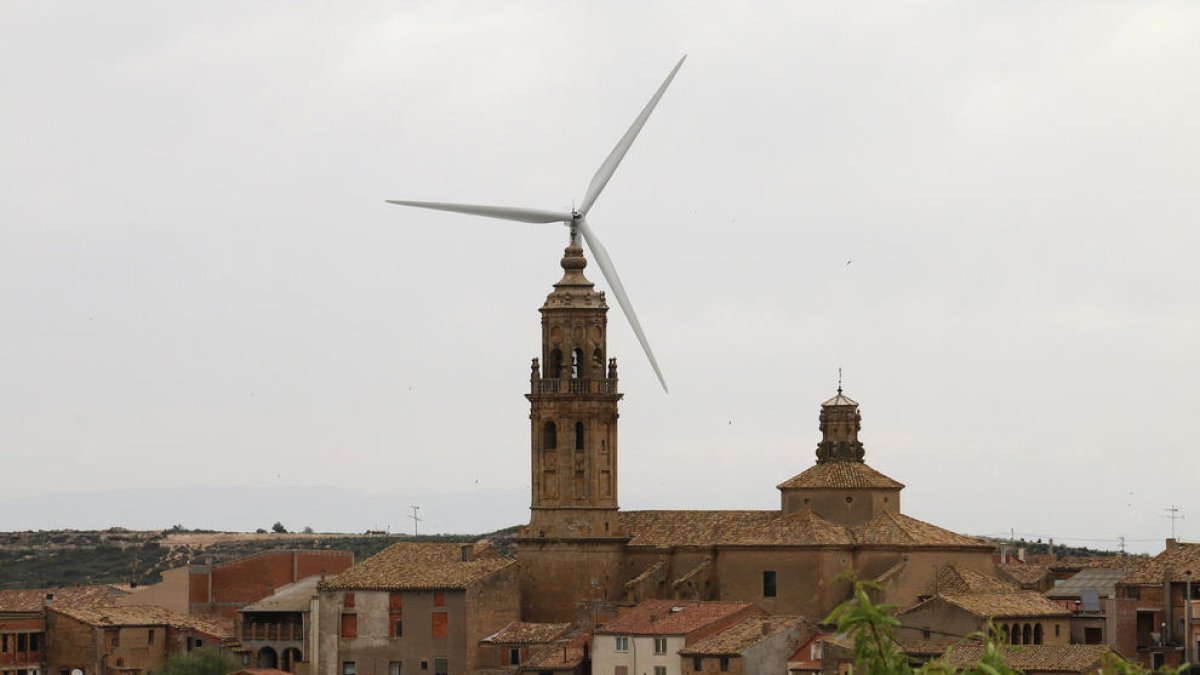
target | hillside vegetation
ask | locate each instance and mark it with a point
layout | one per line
(57, 558)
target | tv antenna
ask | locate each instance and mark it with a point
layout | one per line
(416, 520)
(1173, 515)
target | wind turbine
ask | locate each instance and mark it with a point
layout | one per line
(576, 218)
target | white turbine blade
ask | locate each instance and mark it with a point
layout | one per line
(618, 153)
(614, 282)
(503, 212)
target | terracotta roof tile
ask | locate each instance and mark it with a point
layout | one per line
(674, 617)
(1076, 563)
(564, 654)
(952, 581)
(413, 566)
(32, 599)
(1025, 573)
(1176, 558)
(664, 529)
(1036, 658)
(893, 529)
(742, 635)
(148, 615)
(525, 633)
(839, 475)
(1000, 605)
(667, 529)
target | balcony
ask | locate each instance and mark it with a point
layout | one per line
(562, 385)
(272, 632)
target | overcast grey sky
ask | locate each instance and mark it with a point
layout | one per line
(202, 286)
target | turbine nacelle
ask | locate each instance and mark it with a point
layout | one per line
(575, 219)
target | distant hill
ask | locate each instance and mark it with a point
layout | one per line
(67, 557)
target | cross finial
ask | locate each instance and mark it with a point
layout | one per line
(839, 380)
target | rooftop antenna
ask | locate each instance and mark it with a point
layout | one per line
(1173, 515)
(576, 218)
(416, 520)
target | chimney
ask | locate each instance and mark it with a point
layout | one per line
(465, 551)
(1004, 554)
(49, 598)
(766, 627)
(1021, 554)
(1171, 542)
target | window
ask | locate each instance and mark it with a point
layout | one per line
(514, 656)
(1056, 627)
(697, 663)
(769, 584)
(577, 364)
(424, 664)
(350, 626)
(622, 643)
(348, 600)
(660, 670)
(395, 667)
(660, 645)
(724, 664)
(441, 666)
(579, 435)
(926, 633)
(1133, 592)
(549, 436)
(150, 636)
(347, 668)
(35, 642)
(4, 643)
(397, 627)
(439, 599)
(621, 670)
(441, 625)
(115, 638)
(245, 659)
(1037, 634)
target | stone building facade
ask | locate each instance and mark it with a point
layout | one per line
(134, 640)
(580, 549)
(415, 608)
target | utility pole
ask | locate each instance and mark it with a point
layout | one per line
(416, 520)
(1121, 538)
(1173, 515)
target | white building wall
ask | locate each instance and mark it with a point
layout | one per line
(640, 659)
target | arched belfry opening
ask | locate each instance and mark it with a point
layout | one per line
(554, 366)
(579, 435)
(577, 364)
(550, 436)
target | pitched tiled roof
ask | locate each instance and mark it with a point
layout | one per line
(563, 655)
(525, 633)
(952, 581)
(1036, 658)
(1000, 605)
(742, 635)
(32, 599)
(664, 529)
(894, 529)
(839, 475)
(148, 615)
(674, 617)
(413, 566)
(1075, 563)
(1026, 573)
(1177, 558)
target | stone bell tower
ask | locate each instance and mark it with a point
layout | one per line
(572, 549)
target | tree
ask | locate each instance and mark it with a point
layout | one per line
(308, 529)
(278, 528)
(204, 661)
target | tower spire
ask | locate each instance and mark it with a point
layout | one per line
(840, 424)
